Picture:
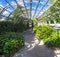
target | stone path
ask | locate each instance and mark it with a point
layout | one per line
(34, 48)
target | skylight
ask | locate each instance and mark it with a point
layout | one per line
(33, 8)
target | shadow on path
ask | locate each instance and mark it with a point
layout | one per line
(33, 48)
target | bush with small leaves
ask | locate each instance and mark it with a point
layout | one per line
(10, 42)
(44, 32)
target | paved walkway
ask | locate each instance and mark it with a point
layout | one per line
(34, 48)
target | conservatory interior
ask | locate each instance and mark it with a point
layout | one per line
(29, 28)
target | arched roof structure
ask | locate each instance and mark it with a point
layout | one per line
(33, 8)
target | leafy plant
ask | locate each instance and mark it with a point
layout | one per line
(10, 47)
(8, 26)
(10, 42)
(50, 36)
(53, 40)
(44, 31)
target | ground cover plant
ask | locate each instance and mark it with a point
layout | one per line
(44, 31)
(10, 42)
(54, 40)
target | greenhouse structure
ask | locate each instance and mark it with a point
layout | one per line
(29, 28)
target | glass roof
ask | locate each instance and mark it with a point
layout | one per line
(32, 8)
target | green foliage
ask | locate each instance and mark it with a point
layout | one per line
(52, 1)
(18, 14)
(52, 9)
(53, 40)
(0, 55)
(10, 42)
(7, 26)
(58, 20)
(44, 31)
(35, 24)
(51, 13)
(10, 45)
(58, 3)
(50, 36)
(56, 9)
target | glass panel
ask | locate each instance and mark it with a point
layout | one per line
(5, 13)
(3, 3)
(11, 5)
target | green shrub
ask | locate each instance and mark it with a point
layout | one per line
(50, 36)
(10, 47)
(10, 42)
(44, 31)
(53, 40)
(7, 26)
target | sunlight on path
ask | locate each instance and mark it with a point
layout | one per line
(57, 52)
(34, 48)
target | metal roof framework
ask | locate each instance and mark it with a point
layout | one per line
(27, 14)
(51, 14)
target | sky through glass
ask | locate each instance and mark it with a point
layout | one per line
(34, 7)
